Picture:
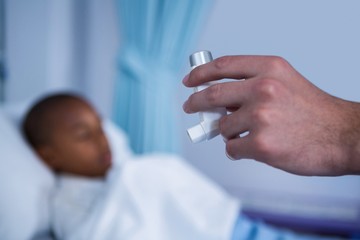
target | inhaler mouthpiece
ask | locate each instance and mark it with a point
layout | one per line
(208, 127)
(205, 130)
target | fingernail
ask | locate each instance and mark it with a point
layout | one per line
(229, 157)
(185, 107)
(185, 79)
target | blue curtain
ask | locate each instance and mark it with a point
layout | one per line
(156, 36)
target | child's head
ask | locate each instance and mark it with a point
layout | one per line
(66, 133)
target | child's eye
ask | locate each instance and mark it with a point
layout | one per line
(83, 135)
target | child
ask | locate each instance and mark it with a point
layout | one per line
(102, 197)
(67, 134)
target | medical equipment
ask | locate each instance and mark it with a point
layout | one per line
(208, 127)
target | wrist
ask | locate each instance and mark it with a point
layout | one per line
(351, 139)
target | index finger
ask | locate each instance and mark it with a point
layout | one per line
(234, 67)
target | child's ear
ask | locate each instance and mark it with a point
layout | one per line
(47, 154)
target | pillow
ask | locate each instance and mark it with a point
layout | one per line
(118, 142)
(25, 186)
(16, 111)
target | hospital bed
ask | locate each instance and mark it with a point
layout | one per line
(26, 184)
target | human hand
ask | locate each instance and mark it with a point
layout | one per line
(292, 124)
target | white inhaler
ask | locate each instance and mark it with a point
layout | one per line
(208, 127)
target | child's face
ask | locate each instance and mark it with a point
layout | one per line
(78, 144)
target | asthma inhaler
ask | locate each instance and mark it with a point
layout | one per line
(208, 127)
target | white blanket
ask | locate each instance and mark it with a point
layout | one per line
(152, 197)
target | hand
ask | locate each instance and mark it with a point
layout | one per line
(292, 124)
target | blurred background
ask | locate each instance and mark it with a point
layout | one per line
(75, 45)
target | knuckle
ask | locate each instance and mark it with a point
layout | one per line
(267, 87)
(213, 93)
(262, 146)
(190, 104)
(277, 64)
(221, 62)
(262, 115)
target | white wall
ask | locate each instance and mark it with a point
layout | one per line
(320, 38)
(103, 41)
(61, 44)
(26, 40)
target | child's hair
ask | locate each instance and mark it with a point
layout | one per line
(37, 124)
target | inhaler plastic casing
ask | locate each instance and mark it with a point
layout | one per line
(208, 127)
